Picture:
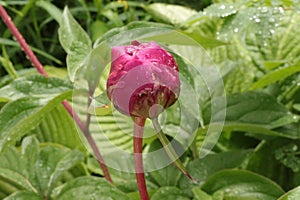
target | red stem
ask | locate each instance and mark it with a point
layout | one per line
(90, 140)
(36, 63)
(138, 156)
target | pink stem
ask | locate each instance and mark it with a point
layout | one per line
(89, 138)
(9, 23)
(138, 156)
(36, 63)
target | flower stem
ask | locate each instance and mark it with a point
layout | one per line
(139, 123)
(36, 63)
(169, 149)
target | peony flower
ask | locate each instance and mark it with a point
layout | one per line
(143, 79)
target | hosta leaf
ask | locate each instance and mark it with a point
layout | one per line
(293, 194)
(254, 112)
(23, 195)
(169, 193)
(202, 169)
(221, 9)
(87, 188)
(172, 14)
(75, 41)
(34, 86)
(239, 184)
(58, 127)
(20, 116)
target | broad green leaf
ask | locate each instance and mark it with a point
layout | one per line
(35, 87)
(240, 184)
(29, 157)
(75, 41)
(221, 9)
(293, 194)
(18, 117)
(202, 169)
(256, 108)
(16, 180)
(169, 193)
(172, 14)
(52, 163)
(274, 76)
(200, 194)
(23, 195)
(204, 41)
(86, 188)
(34, 168)
(59, 127)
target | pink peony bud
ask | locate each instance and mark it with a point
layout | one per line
(143, 79)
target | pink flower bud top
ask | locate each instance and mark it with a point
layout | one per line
(143, 79)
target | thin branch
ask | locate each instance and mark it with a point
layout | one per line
(36, 63)
(138, 157)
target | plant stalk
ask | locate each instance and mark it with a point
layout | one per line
(139, 123)
(36, 63)
(169, 149)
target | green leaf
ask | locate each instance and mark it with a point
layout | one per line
(35, 87)
(274, 76)
(7, 64)
(200, 194)
(52, 163)
(16, 180)
(169, 193)
(34, 168)
(221, 9)
(239, 184)
(253, 112)
(202, 169)
(75, 41)
(8, 42)
(23, 195)
(172, 14)
(167, 176)
(58, 126)
(204, 41)
(20, 116)
(51, 9)
(265, 153)
(87, 188)
(293, 194)
(287, 155)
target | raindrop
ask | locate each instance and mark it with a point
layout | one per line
(281, 10)
(236, 30)
(257, 20)
(264, 9)
(222, 7)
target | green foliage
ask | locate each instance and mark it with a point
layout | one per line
(253, 44)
